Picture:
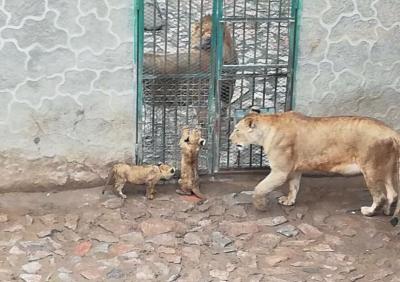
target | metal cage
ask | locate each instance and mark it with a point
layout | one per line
(204, 71)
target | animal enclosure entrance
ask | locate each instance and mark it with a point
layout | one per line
(203, 63)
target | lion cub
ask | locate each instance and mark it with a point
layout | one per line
(143, 174)
(190, 144)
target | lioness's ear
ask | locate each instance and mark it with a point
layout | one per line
(159, 163)
(255, 109)
(250, 122)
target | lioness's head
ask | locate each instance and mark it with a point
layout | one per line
(247, 131)
(167, 171)
(191, 138)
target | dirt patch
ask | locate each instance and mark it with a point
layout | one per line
(83, 235)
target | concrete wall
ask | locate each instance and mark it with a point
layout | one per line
(66, 101)
(349, 59)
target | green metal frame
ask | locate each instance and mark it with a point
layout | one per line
(213, 98)
(138, 46)
(294, 32)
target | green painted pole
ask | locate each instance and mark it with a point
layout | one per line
(138, 43)
(296, 11)
(213, 97)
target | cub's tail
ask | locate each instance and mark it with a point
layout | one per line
(197, 192)
(109, 178)
(395, 218)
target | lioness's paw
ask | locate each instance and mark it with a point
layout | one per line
(367, 211)
(123, 196)
(283, 200)
(260, 202)
(150, 197)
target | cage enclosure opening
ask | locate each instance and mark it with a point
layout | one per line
(201, 62)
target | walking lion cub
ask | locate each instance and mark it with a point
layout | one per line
(139, 174)
(295, 143)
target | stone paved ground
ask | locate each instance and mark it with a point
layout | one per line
(83, 235)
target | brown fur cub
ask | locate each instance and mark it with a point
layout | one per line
(143, 174)
(190, 144)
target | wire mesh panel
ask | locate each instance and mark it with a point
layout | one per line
(261, 32)
(176, 76)
(199, 70)
(169, 105)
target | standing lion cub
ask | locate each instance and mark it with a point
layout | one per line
(143, 174)
(295, 143)
(190, 143)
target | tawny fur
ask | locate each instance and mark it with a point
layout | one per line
(145, 174)
(295, 143)
(190, 143)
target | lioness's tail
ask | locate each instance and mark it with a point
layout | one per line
(395, 219)
(110, 176)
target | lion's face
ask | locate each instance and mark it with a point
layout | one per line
(167, 171)
(246, 132)
(191, 138)
(201, 33)
(202, 39)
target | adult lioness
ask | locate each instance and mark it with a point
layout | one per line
(139, 174)
(296, 143)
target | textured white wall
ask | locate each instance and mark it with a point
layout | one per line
(66, 101)
(349, 59)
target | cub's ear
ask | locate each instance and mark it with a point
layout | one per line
(207, 17)
(185, 133)
(202, 142)
(159, 163)
(255, 109)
